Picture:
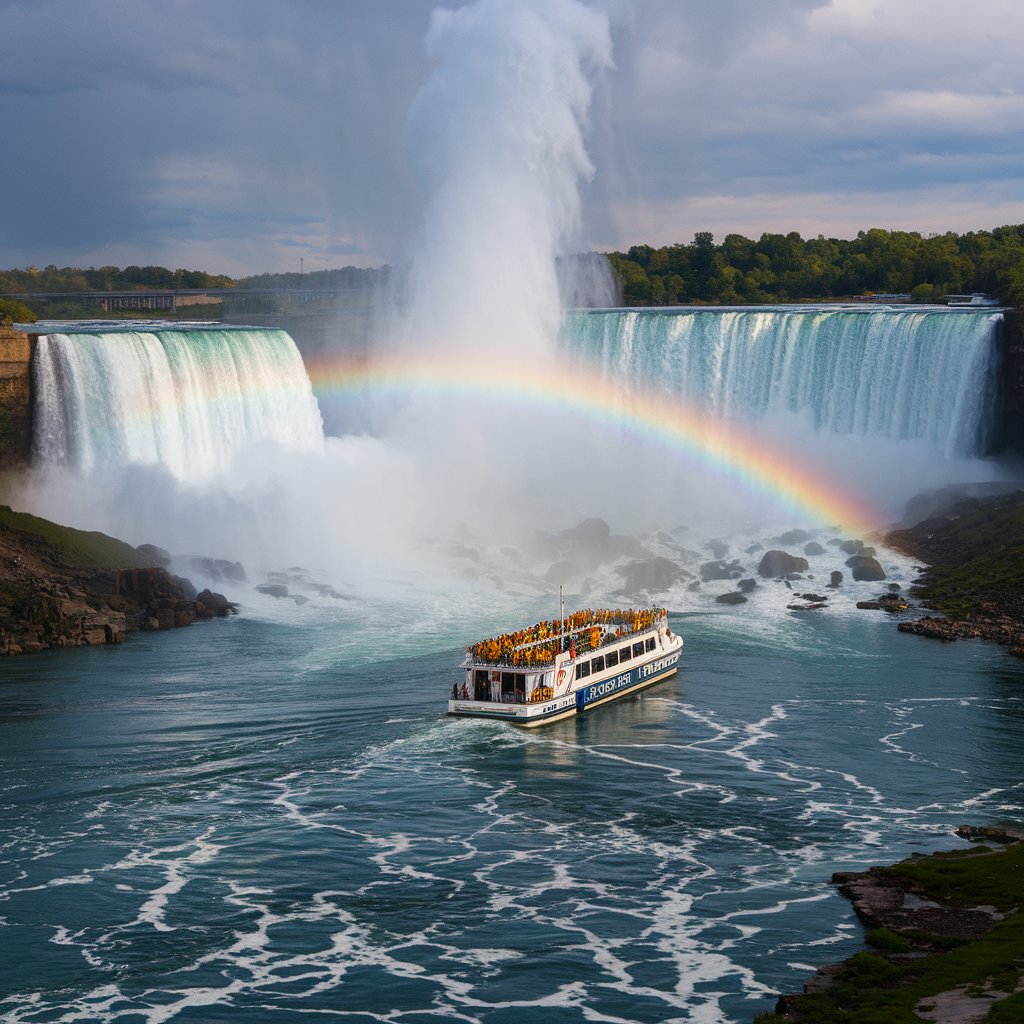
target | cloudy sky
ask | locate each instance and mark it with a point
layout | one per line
(241, 136)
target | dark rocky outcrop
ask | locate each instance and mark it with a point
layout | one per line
(865, 567)
(916, 912)
(720, 570)
(836, 578)
(813, 548)
(735, 597)
(652, 575)
(792, 537)
(61, 587)
(974, 551)
(746, 586)
(776, 564)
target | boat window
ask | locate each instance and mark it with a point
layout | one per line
(582, 669)
(597, 665)
(638, 649)
(508, 682)
(650, 643)
(611, 659)
(480, 677)
(625, 654)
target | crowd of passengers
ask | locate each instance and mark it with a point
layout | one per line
(539, 644)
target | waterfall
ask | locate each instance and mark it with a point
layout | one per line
(186, 399)
(898, 374)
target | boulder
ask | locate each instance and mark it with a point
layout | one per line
(720, 570)
(734, 598)
(814, 548)
(836, 578)
(210, 604)
(793, 537)
(746, 586)
(866, 568)
(776, 564)
(851, 547)
(655, 574)
(272, 589)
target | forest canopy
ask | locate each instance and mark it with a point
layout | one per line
(788, 268)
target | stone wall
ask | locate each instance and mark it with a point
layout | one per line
(15, 396)
(1010, 437)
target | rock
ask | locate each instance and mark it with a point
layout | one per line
(734, 598)
(814, 548)
(158, 556)
(233, 571)
(851, 547)
(165, 618)
(866, 568)
(653, 575)
(836, 578)
(746, 586)
(814, 598)
(871, 606)
(212, 605)
(792, 537)
(206, 568)
(776, 564)
(720, 570)
(272, 589)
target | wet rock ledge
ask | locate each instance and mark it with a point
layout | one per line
(946, 938)
(61, 587)
(974, 550)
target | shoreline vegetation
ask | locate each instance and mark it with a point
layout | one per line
(945, 935)
(974, 552)
(775, 268)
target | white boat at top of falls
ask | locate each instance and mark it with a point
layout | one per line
(556, 669)
(976, 300)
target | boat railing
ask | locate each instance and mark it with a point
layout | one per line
(610, 633)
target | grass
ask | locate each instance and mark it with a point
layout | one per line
(883, 986)
(74, 547)
(980, 553)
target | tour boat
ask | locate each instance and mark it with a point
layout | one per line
(972, 301)
(556, 669)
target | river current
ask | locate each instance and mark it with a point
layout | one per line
(263, 819)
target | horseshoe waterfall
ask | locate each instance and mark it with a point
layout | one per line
(269, 817)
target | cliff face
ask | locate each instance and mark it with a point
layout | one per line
(61, 587)
(1011, 433)
(15, 397)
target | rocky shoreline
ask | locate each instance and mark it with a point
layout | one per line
(943, 932)
(974, 552)
(61, 588)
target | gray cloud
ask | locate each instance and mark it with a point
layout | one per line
(239, 135)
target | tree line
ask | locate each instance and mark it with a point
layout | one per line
(787, 268)
(739, 271)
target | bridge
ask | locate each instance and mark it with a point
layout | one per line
(172, 298)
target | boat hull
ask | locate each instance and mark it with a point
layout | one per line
(590, 694)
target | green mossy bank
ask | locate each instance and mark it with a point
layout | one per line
(947, 945)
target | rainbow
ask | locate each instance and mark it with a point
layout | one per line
(648, 416)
